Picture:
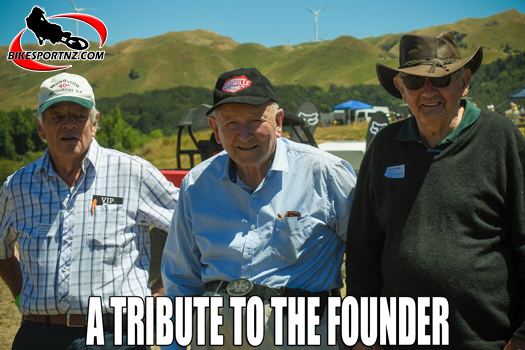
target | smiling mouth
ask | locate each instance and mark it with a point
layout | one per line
(430, 104)
(246, 148)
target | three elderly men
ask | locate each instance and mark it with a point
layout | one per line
(438, 210)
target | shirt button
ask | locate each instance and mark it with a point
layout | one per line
(67, 239)
(247, 256)
(64, 269)
(252, 227)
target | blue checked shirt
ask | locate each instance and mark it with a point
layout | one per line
(71, 250)
(222, 230)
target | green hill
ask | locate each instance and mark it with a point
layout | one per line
(196, 58)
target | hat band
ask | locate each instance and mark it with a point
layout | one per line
(432, 62)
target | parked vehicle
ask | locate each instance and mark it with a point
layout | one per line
(352, 151)
(364, 115)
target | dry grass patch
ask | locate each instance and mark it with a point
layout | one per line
(343, 132)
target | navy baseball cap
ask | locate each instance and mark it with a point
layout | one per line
(243, 85)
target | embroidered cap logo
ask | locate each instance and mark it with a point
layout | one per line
(235, 84)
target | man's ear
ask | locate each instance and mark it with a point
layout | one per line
(466, 78)
(279, 116)
(40, 128)
(95, 125)
(215, 128)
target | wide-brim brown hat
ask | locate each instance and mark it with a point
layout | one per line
(427, 55)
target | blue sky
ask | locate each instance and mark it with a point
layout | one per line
(268, 22)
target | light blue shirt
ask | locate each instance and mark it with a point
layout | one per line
(223, 230)
(71, 249)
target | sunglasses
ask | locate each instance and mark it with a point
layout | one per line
(414, 82)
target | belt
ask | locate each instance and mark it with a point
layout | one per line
(245, 287)
(71, 320)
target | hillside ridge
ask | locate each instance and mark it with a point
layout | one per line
(195, 58)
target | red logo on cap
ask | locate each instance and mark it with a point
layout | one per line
(235, 84)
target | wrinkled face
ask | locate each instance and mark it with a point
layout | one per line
(68, 131)
(248, 133)
(430, 103)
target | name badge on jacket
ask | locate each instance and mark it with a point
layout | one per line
(107, 200)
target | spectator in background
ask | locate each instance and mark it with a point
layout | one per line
(490, 107)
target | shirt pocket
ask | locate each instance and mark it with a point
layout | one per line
(106, 229)
(289, 237)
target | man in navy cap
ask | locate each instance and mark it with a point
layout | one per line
(265, 217)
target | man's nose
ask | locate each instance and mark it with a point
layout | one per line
(245, 132)
(428, 88)
(70, 122)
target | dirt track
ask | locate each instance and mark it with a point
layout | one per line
(9, 317)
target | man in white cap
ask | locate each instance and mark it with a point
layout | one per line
(80, 216)
(439, 205)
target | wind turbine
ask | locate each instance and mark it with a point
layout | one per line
(316, 13)
(77, 10)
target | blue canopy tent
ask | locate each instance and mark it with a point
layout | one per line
(352, 105)
(520, 94)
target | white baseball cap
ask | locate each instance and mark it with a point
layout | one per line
(65, 87)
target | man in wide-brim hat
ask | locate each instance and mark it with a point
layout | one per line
(439, 206)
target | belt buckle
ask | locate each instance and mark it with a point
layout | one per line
(239, 287)
(68, 323)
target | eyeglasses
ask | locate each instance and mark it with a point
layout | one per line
(414, 82)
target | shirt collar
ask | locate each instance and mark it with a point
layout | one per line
(92, 156)
(410, 132)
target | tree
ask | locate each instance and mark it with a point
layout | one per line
(133, 74)
(23, 131)
(7, 146)
(115, 133)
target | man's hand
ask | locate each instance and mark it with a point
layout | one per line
(515, 343)
(158, 288)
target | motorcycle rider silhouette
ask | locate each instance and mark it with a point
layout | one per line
(45, 30)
